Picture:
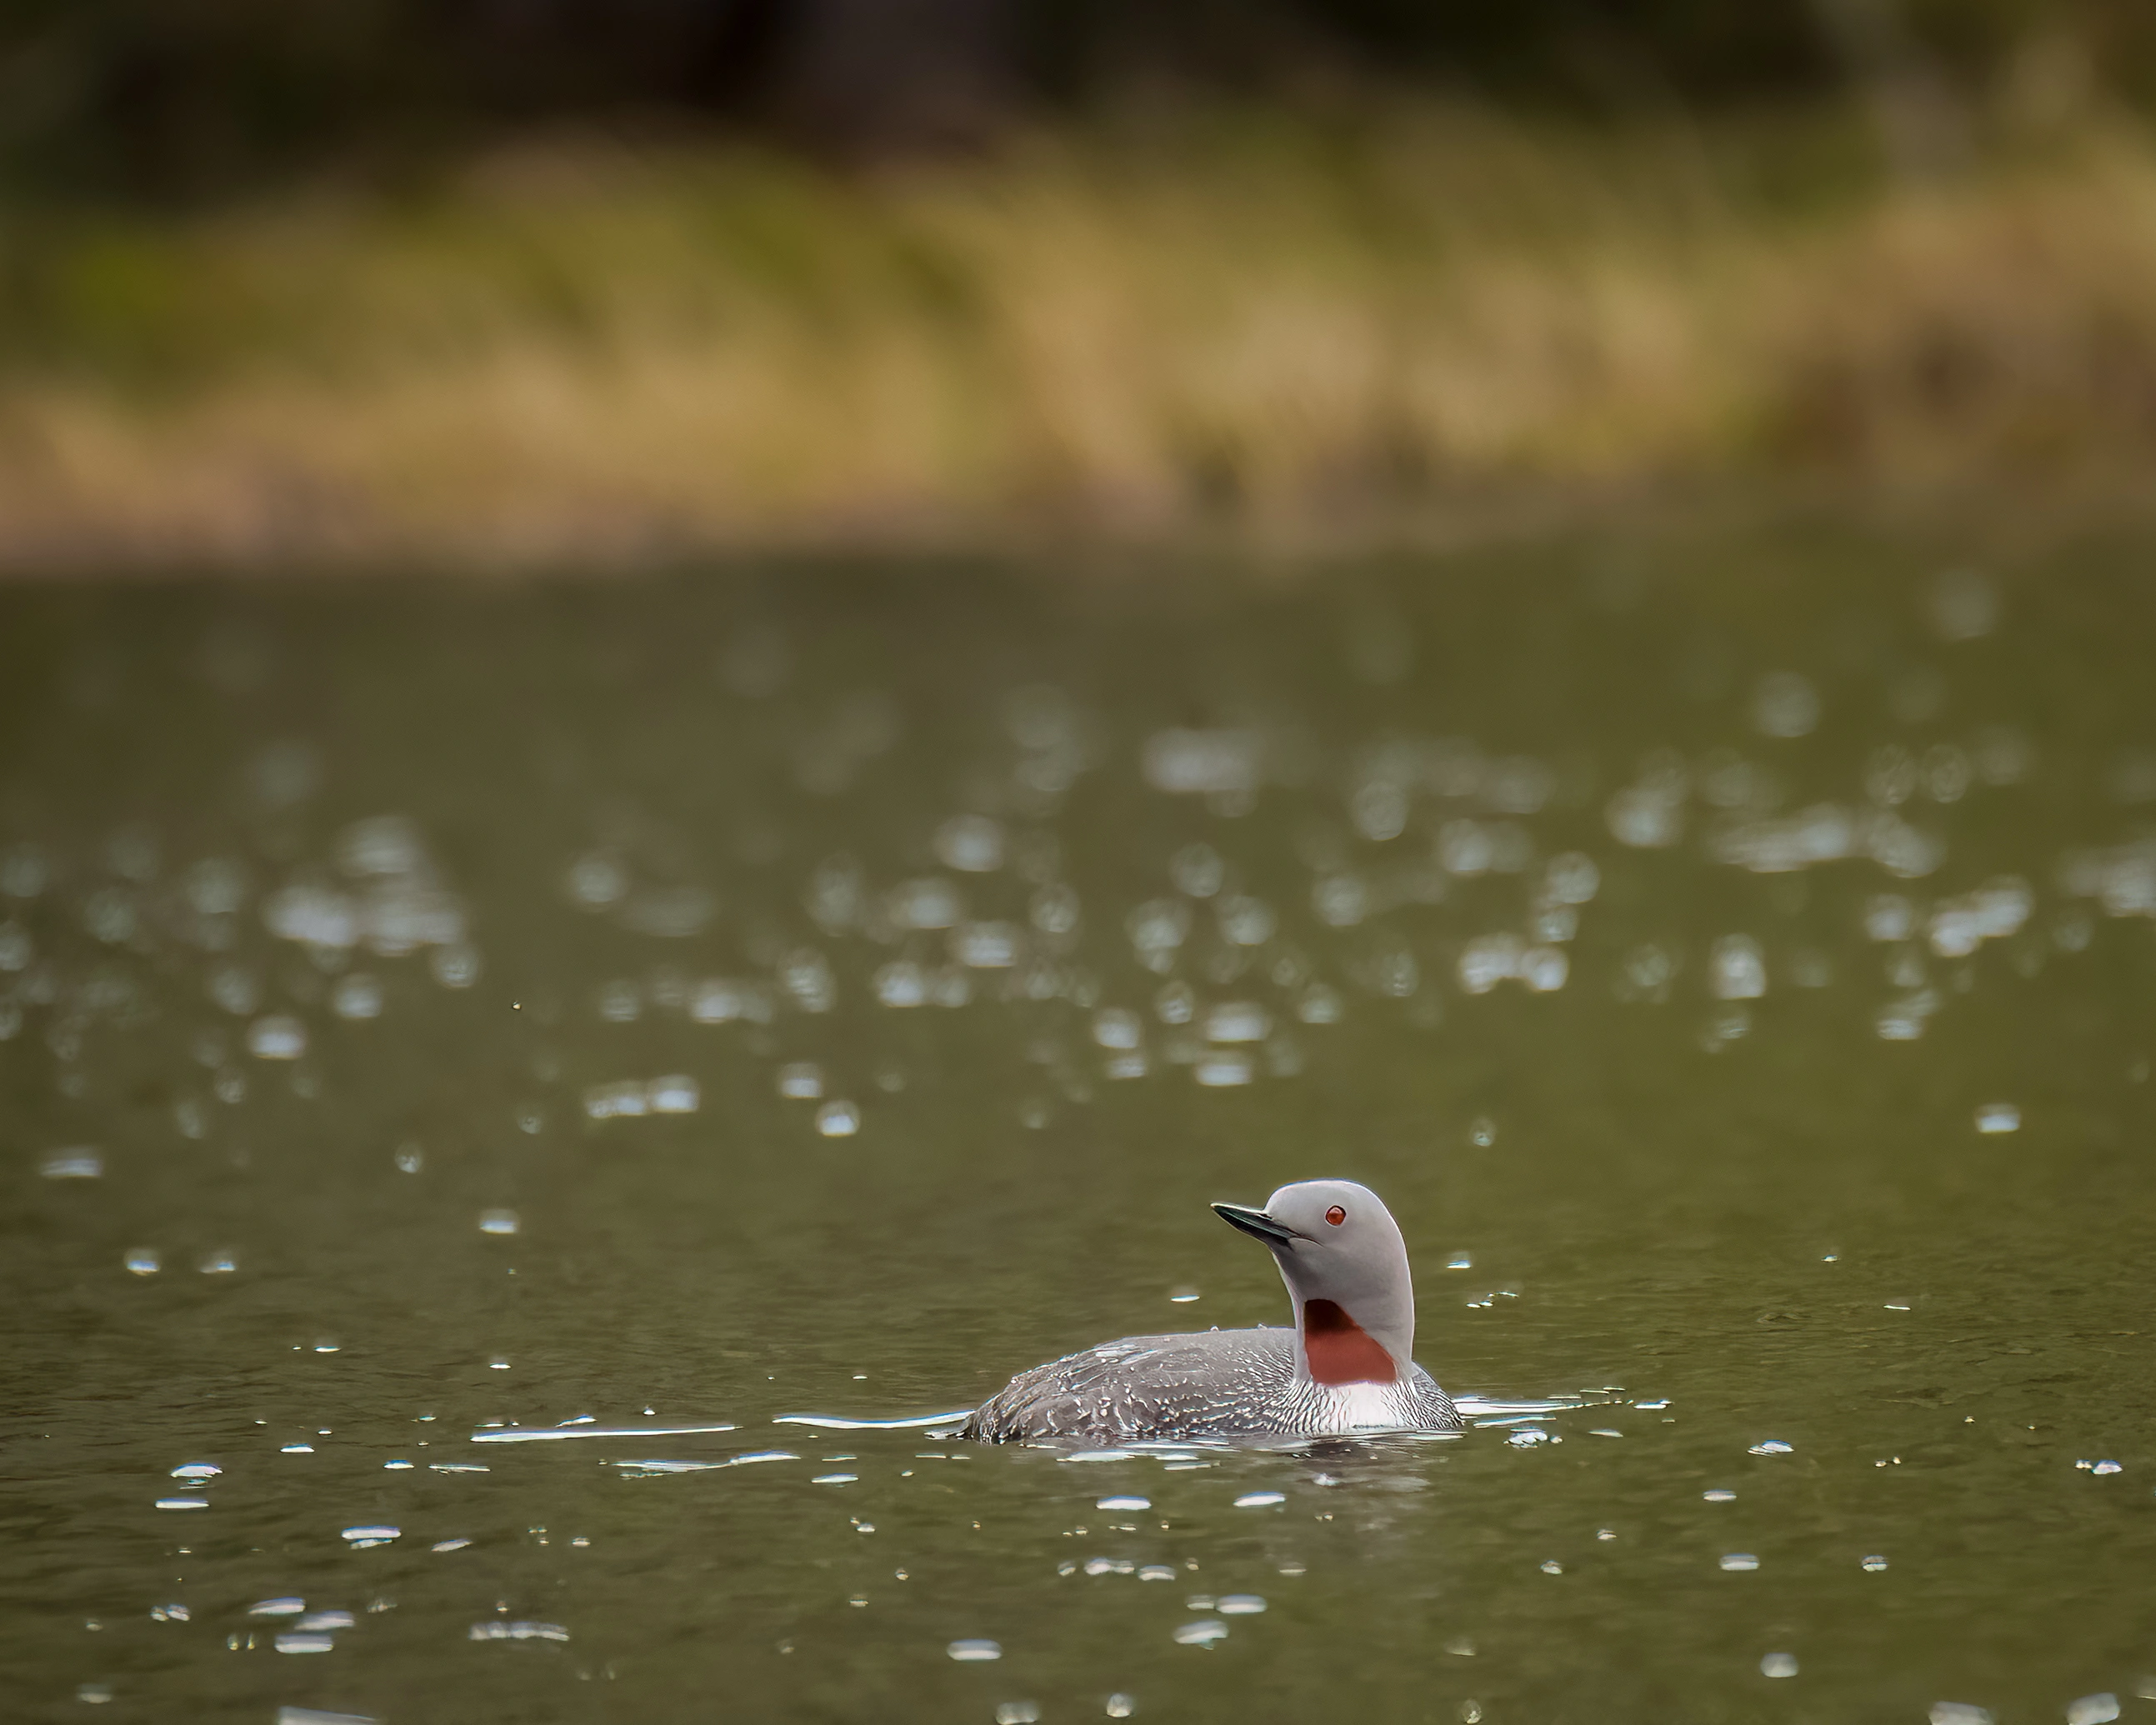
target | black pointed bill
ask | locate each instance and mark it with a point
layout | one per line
(1258, 1223)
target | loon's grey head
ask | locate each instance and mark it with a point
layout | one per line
(1346, 1267)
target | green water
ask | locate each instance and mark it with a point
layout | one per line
(1651, 925)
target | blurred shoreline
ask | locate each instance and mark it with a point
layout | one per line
(1442, 324)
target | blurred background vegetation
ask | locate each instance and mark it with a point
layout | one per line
(515, 279)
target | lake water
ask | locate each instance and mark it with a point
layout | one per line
(441, 1013)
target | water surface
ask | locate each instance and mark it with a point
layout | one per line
(437, 1012)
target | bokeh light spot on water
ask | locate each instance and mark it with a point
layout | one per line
(497, 1631)
(1117, 1027)
(1224, 1067)
(985, 946)
(974, 1651)
(1777, 1665)
(1998, 1118)
(1205, 1632)
(1237, 1021)
(972, 843)
(279, 1037)
(1197, 870)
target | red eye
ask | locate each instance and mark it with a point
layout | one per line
(1335, 1215)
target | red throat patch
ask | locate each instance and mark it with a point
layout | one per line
(1340, 1350)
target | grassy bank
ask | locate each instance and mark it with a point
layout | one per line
(583, 351)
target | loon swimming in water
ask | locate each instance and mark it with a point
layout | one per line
(1343, 1368)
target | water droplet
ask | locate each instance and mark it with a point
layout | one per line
(1190, 762)
(1739, 970)
(1224, 1068)
(972, 843)
(800, 1080)
(279, 1037)
(985, 946)
(1054, 909)
(1238, 1021)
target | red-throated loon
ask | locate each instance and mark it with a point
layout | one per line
(1343, 1368)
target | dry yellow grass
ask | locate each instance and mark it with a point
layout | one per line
(584, 353)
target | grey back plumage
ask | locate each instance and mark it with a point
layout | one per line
(1213, 1384)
